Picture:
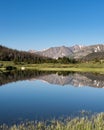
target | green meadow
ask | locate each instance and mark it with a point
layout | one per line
(95, 67)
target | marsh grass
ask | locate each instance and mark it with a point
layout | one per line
(95, 122)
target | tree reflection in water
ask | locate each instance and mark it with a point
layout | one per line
(60, 78)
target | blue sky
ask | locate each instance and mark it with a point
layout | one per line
(39, 24)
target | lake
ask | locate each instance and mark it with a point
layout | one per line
(33, 95)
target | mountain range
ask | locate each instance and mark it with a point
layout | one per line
(76, 51)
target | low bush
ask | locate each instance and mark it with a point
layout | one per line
(11, 68)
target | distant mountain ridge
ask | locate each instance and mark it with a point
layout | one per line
(76, 51)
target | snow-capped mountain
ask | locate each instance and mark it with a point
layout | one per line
(76, 51)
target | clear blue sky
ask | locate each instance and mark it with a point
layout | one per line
(39, 24)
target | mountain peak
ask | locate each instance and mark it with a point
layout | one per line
(32, 51)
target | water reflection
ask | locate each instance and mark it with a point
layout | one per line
(59, 78)
(35, 100)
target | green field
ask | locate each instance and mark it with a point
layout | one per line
(81, 67)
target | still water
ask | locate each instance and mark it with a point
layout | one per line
(45, 96)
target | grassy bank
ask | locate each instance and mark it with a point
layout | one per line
(84, 123)
(81, 67)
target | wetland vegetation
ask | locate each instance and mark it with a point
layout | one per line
(95, 122)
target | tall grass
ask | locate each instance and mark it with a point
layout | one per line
(95, 122)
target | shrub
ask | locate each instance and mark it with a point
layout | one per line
(10, 68)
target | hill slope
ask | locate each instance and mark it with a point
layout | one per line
(94, 56)
(7, 54)
(56, 52)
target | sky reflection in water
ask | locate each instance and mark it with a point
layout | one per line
(36, 100)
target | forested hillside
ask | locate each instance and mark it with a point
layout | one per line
(7, 54)
(96, 56)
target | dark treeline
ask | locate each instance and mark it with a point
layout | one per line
(67, 60)
(7, 54)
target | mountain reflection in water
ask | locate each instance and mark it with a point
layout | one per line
(59, 78)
